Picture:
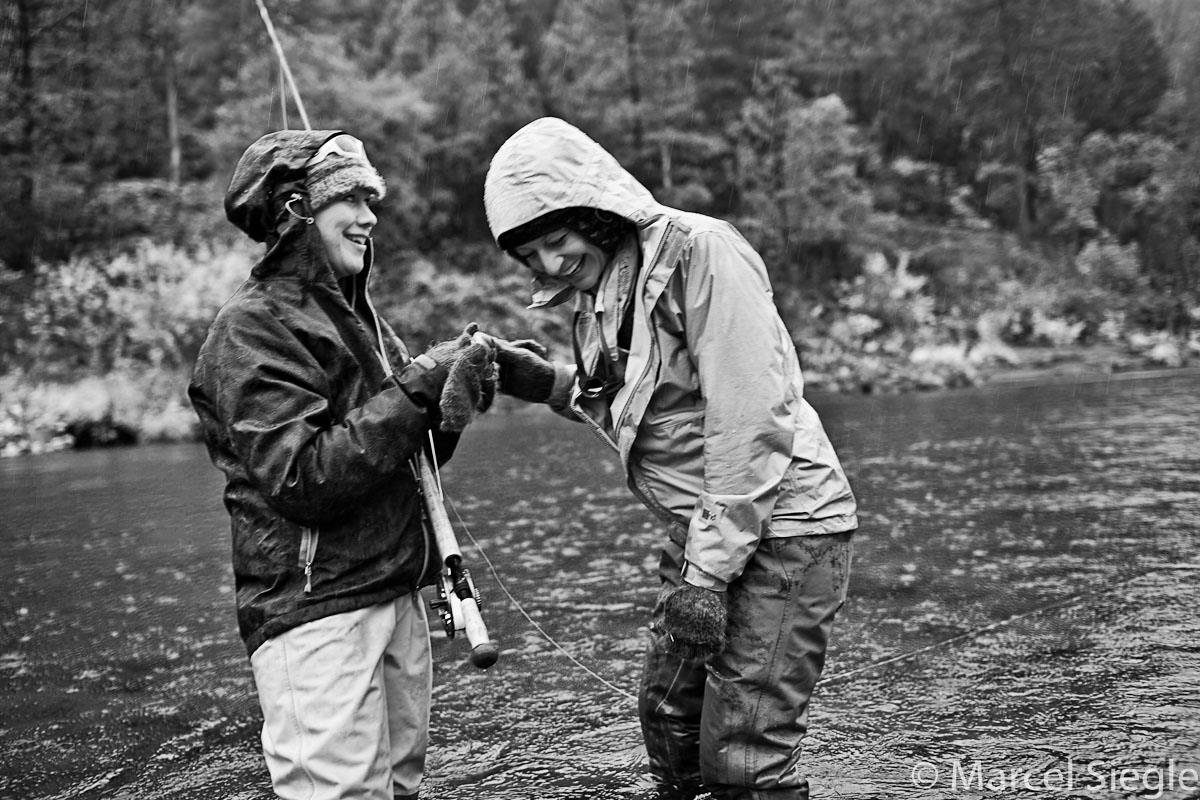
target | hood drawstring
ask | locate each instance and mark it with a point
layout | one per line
(308, 220)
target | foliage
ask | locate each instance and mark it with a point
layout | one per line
(821, 195)
(1177, 27)
(1126, 82)
(426, 304)
(880, 332)
(671, 87)
(94, 315)
(122, 407)
(888, 62)
(805, 191)
(1028, 171)
(1134, 188)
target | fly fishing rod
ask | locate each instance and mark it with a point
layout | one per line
(458, 599)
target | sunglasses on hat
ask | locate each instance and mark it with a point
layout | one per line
(341, 146)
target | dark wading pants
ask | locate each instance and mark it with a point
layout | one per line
(735, 726)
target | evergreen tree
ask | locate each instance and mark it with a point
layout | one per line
(1128, 75)
(1016, 65)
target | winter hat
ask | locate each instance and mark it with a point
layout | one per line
(340, 166)
(266, 176)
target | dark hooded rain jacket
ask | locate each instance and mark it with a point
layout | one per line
(299, 410)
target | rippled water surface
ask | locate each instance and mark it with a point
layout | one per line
(1021, 606)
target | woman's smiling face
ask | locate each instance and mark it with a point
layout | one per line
(345, 226)
(564, 255)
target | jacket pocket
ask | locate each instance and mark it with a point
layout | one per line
(308, 553)
(671, 423)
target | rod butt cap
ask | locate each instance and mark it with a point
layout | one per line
(485, 654)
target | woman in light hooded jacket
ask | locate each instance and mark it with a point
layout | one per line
(684, 367)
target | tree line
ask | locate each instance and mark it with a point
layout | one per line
(828, 131)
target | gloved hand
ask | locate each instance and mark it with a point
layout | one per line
(525, 373)
(695, 619)
(470, 385)
(425, 377)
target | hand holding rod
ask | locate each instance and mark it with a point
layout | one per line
(484, 651)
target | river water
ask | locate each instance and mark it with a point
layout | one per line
(1021, 607)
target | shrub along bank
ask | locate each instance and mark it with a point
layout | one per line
(96, 351)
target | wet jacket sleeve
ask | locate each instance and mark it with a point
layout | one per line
(744, 359)
(444, 442)
(309, 464)
(560, 393)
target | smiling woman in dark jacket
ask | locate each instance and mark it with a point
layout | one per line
(312, 408)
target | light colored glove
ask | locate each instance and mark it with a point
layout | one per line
(470, 386)
(424, 379)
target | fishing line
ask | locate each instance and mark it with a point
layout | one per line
(976, 632)
(517, 604)
(838, 677)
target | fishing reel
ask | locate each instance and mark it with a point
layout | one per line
(455, 586)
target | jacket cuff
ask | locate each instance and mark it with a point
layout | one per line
(560, 392)
(422, 381)
(722, 536)
(695, 576)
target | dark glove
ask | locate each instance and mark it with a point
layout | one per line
(423, 379)
(524, 371)
(470, 386)
(695, 620)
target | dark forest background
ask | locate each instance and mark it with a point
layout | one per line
(939, 187)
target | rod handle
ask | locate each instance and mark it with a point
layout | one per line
(484, 651)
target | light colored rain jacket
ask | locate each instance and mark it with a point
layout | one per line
(711, 423)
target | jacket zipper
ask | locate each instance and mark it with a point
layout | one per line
(379, 348)
(578, 411)
(381, 353)
(308, 553)
(648, 313)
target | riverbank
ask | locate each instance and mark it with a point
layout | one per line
(151, 407)
(1055, 364)
(119, 409)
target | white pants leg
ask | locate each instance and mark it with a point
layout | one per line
(408, 681)
(345, 703)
